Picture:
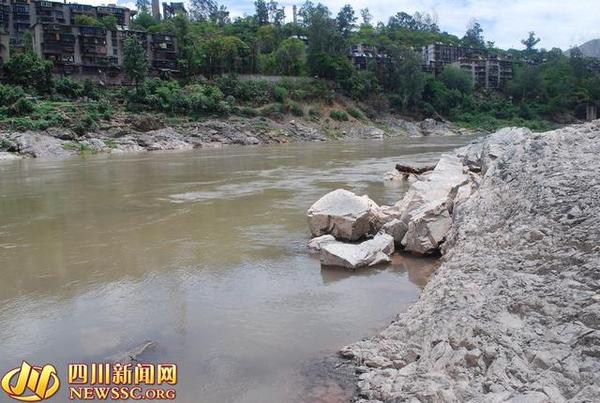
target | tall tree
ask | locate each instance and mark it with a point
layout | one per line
(135, 60)
(474, 36)
(366, 17)
(262, 12)
(402, 77)
(203, 10)
(346, 20)
(530, 42)
(142, 5)
(276, 14)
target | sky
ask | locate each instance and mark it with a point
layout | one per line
(559, 23)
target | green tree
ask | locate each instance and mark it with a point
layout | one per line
(366, 17)
(530, 42)
(402, 77)
(262, 12)
(456, 79)
(325, 53)
(290, 57)
(87, 21)
(527, 84)
(474, 36)
(346, 20)
(109, 22)
(135, 61)
(144, 20)
(276, 14)
(203, 10)
(29, 71)
(142, 5)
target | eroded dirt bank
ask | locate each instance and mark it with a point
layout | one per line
(513, 314)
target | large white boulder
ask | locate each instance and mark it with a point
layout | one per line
(427, 205)
(352, 256)
(342, 214)
(427, 228)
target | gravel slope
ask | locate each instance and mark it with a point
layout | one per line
(513, 314)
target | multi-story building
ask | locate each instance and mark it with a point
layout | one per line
(83, 51)
(488, 71)
(97, 53)
(438, 55)
(361, 55)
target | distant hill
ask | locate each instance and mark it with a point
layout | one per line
(589, 49)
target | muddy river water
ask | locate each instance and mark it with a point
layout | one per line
(202, 252)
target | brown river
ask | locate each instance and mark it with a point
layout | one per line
(202, 252)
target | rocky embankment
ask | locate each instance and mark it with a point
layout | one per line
(138, 133)
(513, 313)
(353, 231)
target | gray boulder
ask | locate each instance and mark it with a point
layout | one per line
(315, 244)
(342, 214)
(42, 146)
(352, 256)
(427, 206)
(427, 228)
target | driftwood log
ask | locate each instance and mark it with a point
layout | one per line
(414, 170)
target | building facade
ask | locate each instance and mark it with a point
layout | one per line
(81, 51)
(487, 70)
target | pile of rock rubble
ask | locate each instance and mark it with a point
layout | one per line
(513, 313)
(418, 223)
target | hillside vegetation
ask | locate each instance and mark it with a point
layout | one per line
(214, 50)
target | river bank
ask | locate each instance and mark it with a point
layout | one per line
(513, 313)
(143, 132)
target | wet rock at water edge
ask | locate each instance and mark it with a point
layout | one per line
(352, 256)
(342, 214)
(315, 244)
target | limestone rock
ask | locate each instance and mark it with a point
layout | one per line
(426, 206)
(6, 156)
(427, 228)
(352, 256)
(342, 214)
(315, 244)
(40, 145)
(512, 313)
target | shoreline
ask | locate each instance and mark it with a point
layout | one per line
(513, 312)
(144, 133)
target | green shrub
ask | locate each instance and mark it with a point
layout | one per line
(29, 71)
(86, 124)
(355, 113)
(314, 114)
(69, 88)
(257, 92)
(91, 90)
(9, 94)
(340, 116)
(273, 111)
(23, 106)
(280, 94)
(247, 112)
(295, 109)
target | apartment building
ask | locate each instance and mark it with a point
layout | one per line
(488, 70)
(362, 55)
(97, 53)
(82, 51)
